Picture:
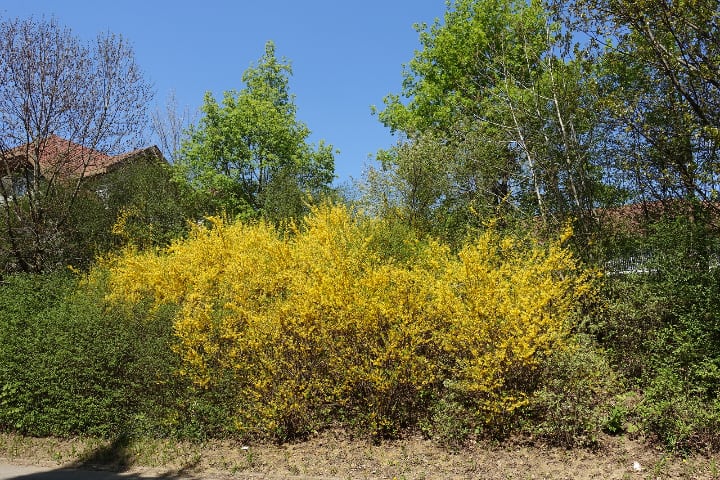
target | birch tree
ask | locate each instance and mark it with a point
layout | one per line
(497, 83)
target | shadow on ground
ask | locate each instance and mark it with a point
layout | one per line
(107, 462)
(67, 474)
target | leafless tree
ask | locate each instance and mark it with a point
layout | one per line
(53, 85)
(170, 124)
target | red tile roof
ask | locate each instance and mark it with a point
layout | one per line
(636, 217)
(63, 158)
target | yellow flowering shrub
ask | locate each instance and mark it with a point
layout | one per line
(316, 324)
(516, 304)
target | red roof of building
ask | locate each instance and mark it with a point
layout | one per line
(63, 158)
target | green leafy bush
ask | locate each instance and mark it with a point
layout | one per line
(661, 330)
(678, 412)
(576, 395)
(68, 366)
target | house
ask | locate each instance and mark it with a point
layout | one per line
(630, 226)
(61, 160)
(60, 203)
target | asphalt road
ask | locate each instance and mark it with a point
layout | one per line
(15, 472)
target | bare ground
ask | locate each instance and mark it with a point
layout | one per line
(333, 455)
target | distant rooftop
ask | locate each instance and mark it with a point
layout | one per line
(61, 157)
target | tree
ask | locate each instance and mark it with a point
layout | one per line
(142, 205)
(659, 62)
(54, 85)
(408, 184)
(170, 126)
(250, 154)
(498, 87)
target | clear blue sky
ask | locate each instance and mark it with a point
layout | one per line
(346, 55)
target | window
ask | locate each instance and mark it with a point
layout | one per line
(15, 185)
(104, 193)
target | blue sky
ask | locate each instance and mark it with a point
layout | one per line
(346, 55)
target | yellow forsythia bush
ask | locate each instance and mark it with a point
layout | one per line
(316, 324)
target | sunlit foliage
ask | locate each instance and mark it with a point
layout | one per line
(332, 320)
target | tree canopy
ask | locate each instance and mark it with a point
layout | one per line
(497, 89)
(250, 154)
(550, 111)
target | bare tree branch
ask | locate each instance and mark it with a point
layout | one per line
(52, 84)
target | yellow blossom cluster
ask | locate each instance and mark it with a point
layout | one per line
(316, 324)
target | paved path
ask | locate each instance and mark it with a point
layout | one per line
(15, 472)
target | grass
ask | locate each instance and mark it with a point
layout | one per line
(334, 454)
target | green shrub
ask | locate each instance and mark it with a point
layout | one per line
(452, 420)
(68, 366)
(576, 397)
(632, 316)
(678, 413)
(661, 330)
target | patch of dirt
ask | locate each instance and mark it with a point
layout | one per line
(333, 455)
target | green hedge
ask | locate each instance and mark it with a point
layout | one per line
(68, 366)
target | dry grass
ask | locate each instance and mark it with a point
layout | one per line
(334, 455)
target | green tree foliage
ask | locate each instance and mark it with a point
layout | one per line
(249, 154)
(139, 203)
(409, 185)
(497, 87)
(661, 95)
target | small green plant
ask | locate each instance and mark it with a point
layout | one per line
(452, 422)
(574, 400)
(677, 415)
(621, 414)
(615, 421)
